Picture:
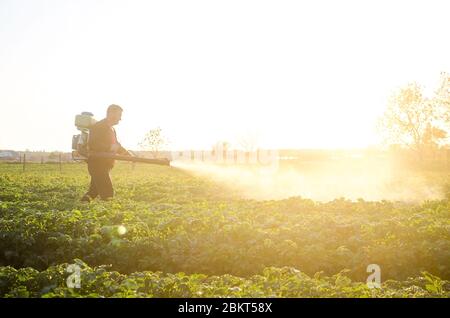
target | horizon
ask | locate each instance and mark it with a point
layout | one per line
(379, 148)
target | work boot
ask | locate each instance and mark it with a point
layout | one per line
(86, 198)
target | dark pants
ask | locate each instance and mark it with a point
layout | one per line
(101, 184)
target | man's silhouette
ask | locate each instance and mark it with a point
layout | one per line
(102, 138)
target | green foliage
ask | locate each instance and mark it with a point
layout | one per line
(273, 282)
(164, 220)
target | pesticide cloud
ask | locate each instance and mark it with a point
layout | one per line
(326, 181)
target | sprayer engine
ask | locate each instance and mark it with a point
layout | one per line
(83, 122)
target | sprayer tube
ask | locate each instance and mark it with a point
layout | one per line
(164, 162)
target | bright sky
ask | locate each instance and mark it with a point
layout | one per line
(306, 74)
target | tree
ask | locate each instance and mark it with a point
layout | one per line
(412, 120)
(248, 141)
(154, 141)
(442, 99)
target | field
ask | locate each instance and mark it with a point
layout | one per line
(169, 233)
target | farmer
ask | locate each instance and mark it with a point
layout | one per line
(102, 138)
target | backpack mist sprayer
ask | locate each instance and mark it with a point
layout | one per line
(80, 144)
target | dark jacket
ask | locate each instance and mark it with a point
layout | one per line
(101, 138)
